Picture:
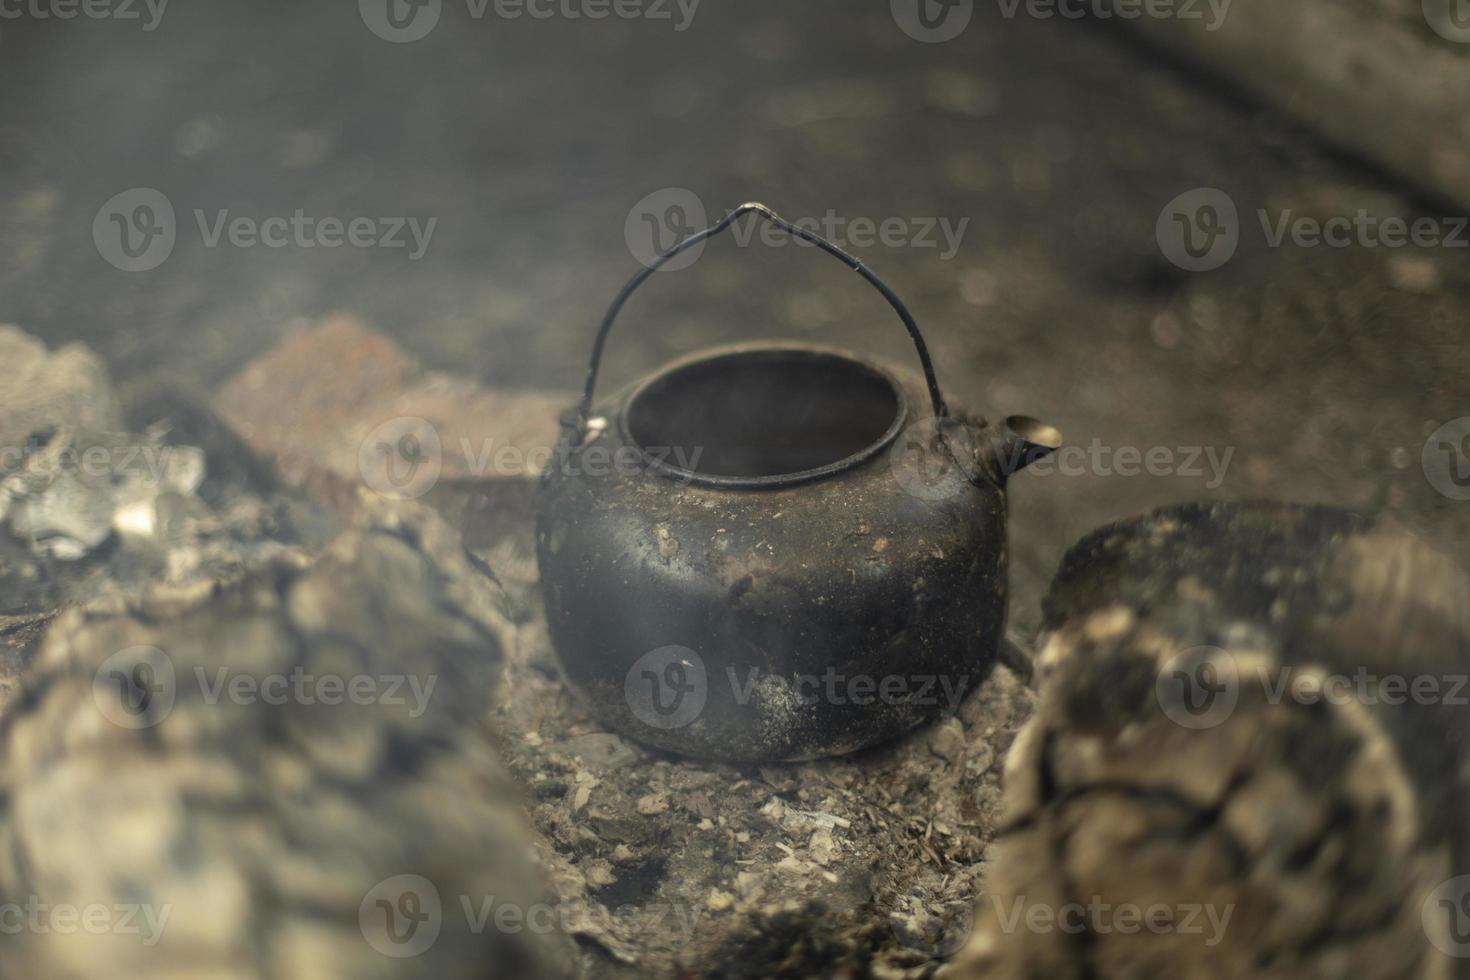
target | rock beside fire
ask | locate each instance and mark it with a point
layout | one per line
(282, 774)
(45, 390)
(1229, 773)
(339, 406)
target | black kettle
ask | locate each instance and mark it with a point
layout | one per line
(776, 551)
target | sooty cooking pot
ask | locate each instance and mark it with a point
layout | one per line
(776, 551)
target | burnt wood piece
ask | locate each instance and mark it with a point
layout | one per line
(1220, 734)
(252, 834)
(1387, 80)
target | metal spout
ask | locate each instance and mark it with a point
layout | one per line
(1018, 443)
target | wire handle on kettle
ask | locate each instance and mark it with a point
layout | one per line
(941, 410)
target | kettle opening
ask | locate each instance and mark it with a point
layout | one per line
(764, 417)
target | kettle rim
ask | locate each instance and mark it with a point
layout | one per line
(660, 464)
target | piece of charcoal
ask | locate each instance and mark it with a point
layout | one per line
(181, 767)
(184, 418)
(1231, 772)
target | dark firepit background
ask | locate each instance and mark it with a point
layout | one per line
(1324, 370)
